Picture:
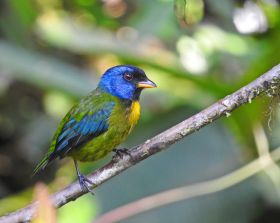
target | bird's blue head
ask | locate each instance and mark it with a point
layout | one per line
(125, 82)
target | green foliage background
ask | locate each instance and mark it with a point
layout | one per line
(53, 52)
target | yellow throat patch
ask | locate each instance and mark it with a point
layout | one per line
(134, 113)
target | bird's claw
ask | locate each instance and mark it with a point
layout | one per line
(120, 152)
(85, 184)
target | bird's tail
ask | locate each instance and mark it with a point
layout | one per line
(48, 158)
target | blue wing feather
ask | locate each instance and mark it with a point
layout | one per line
(76, 133)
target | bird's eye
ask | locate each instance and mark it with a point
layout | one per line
(128, 76)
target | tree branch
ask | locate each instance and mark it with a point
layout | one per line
(265, 83)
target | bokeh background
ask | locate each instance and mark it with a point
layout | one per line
(53, 52)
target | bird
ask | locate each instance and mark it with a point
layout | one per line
(100, 121)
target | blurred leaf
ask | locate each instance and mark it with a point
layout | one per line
(45, 212)
(180, 9)
(189, 12)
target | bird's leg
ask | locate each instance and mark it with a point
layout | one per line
(83, 181)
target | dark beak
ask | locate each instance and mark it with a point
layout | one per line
(146, 84)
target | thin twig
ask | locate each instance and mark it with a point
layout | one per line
(189, 191)
(160, 142)
(262, 145)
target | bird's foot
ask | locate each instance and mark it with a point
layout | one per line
(119, 153)
(85, 184)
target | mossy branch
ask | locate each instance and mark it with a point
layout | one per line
(267, 83)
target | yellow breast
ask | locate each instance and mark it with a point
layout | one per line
(134, 113)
